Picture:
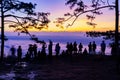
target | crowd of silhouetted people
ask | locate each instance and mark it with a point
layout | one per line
(71, 48)
(33, 53)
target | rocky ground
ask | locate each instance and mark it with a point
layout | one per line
(62, 68)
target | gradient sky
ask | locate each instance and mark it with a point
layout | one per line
(57, 8)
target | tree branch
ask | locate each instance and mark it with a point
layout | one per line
(11, 21)
(78, 14)
(23, 27)
(29, 18)
(7, 10)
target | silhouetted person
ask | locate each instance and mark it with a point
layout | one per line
(12, 49)
(12, 58)
(35, 50)
(80, 48)
(75, 47)
(103, 47)
(43, 48)
(50, 48)
(63, 53)
(57, 49)
(40, 57)
(90, 48)
(68, 48)
(27, 56)
(71, 48)
(85, 52)
(30, 51)
(43, 51)
(94, 47)
(19, 53)
(116, 56)
(113, 49)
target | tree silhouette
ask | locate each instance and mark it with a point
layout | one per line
(95, 8)
(107, 35)
(10, 10)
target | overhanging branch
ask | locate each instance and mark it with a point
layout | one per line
(28, 18)
(11, 21)
(78, 14)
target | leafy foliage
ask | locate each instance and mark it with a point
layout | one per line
(17, 5)
(22, 24)
(59, 22)
(27, 20)
(107, 35)
(80, 7)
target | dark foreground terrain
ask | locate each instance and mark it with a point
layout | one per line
(62, 68)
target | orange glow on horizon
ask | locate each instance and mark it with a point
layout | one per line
(104, 23)
(79, 26)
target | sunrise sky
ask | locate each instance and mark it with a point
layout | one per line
(57, 8)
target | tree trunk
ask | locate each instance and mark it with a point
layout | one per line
(2, 32)
(117, 26)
